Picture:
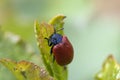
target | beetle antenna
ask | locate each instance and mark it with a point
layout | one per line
(54, 30)
(59, 29)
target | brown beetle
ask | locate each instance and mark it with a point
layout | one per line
(61, 48)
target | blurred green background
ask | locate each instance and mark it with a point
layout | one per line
(92, 26)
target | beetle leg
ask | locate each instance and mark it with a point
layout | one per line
(49, 43)
(51, 50)
(47, 40)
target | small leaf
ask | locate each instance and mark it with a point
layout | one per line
(57, 22)
(44, 30)
(110, 70)
(24, 70)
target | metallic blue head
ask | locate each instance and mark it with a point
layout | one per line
(55, 39)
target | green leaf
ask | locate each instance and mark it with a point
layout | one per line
(44, 30)
(110, 70)
(24, 70)
(57, 22)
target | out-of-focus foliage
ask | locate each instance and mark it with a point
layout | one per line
(24, 70)
(13, 47)
(44, 30)
(110, 70)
